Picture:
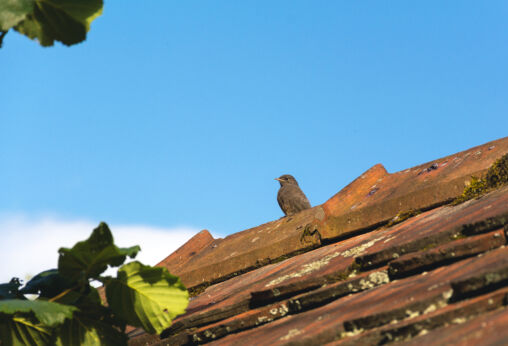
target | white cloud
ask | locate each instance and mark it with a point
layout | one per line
(30, 245)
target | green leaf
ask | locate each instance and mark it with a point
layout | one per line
(84, 11)
(87, 259)
(47, 284)
(10, 290)
(148, 297)
(19, 330)
(95, 327)
(48, 313)
(66, 21)
(48, 23)
(85, 296)
(14, 11)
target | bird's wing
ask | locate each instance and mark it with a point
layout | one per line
(280, 200)
(299, 199)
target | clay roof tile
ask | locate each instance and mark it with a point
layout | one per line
(388, 258)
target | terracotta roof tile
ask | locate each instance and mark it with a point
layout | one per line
(177, 260)
(418, 262)
(488, 329)
(338, 273)
(366, 203)
(371, 200)
(454, 313)
(352, 314)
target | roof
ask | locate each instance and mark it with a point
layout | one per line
(388, 258)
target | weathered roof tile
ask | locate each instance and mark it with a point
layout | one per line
(176, 262)
(420, 187)
(335, 261)
(369, 309)
(339, 273)
(372, 199)
(485, 330)
(418, 262)
(433, 318)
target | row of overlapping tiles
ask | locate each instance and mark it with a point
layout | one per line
(373, 198)
(293, 292)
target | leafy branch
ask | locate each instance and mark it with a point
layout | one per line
(48, 21)
(69, 311)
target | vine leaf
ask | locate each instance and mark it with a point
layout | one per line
(46, 284)
(88, 259)
(10, 290)
(18, 330)
(148, 297)
(14, 11)
(48, 313)
(67, 21)
(94, 325)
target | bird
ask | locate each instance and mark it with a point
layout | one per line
(290, 197)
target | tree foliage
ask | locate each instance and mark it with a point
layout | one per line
(48, 21)
(69, 311)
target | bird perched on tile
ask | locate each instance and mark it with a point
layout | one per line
(290, 197)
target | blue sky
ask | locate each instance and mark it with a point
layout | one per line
(179, 115)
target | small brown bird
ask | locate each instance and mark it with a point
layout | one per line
(290, 197)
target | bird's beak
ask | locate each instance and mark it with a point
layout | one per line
(277, 179)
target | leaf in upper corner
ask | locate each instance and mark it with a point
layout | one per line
(66, 21)
(48, 313)
(148, 297)
(14, 11)
(84, 11)
(88, 259)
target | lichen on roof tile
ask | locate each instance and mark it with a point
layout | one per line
(339, 273)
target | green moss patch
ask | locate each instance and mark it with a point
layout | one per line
(497, 175)
(402, 216)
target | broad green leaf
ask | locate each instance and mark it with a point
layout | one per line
(84, 11)
(14, 11)
(90, 328)
(48, 313)
(148, 297)
(48, 23)
(85, 296)
(66, 21)
(50, 284)
(87, 259)
(47, 284)
(10, 289)
(19, 330)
